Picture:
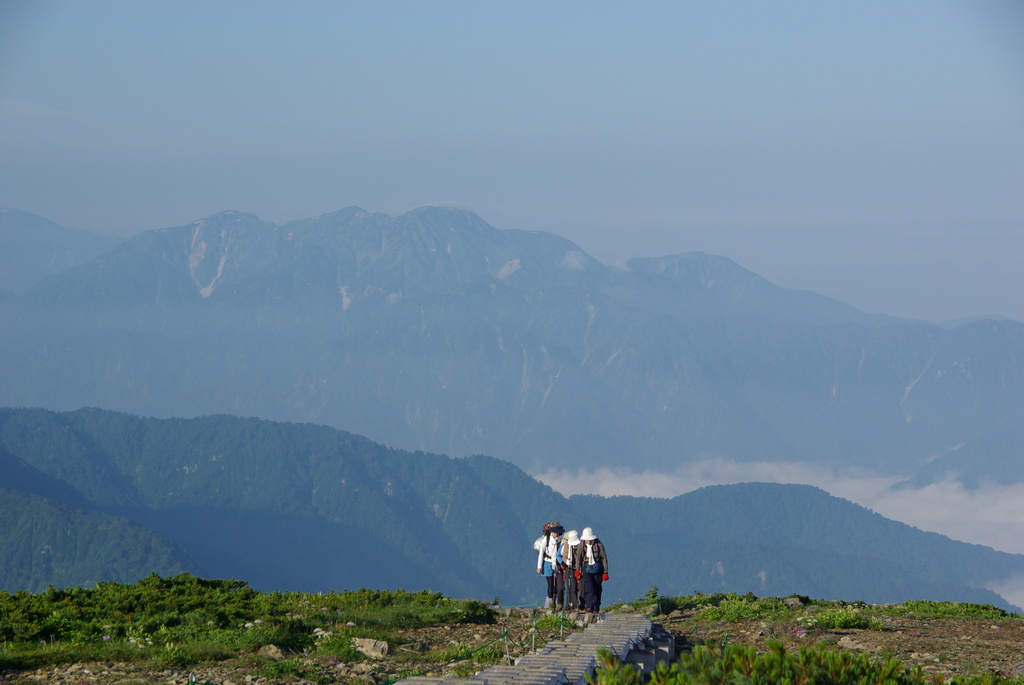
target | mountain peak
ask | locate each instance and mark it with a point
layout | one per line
(444, 217)
(698, 268)
(228, 216)
(339, 216)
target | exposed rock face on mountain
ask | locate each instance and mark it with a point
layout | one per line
(433, 330)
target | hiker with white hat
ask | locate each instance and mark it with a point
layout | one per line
(591, 564)
(549, 562)
(572, 587)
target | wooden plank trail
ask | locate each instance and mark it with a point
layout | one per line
(633, 638)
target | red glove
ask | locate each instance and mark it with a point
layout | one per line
(577, 574)
(604, 577)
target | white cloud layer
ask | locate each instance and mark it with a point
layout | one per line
(992, 516)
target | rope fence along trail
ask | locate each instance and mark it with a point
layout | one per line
(632, 638)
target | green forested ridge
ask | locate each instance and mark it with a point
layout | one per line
(304, 507)
(44, 543)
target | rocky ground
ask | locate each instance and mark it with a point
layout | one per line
(944, 646)
(949, 647)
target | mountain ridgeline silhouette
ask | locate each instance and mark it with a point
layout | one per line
(94, 495)
(435, 331)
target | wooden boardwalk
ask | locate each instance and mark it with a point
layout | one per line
(632, 638)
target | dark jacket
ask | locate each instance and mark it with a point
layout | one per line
(580, 559)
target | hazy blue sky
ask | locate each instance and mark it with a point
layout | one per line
(870, 151)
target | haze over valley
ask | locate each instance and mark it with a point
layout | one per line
(435, 331)
(628, 258)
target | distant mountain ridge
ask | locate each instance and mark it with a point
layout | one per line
(35, 247)
(101, 495)
(353, 255)
(436, 331)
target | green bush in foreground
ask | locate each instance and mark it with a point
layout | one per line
(713, 665)
(841, 618)
(747, 607)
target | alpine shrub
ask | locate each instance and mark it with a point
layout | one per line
(713, 665)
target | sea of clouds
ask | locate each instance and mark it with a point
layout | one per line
(992, 515)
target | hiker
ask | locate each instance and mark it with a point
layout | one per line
(549, 562)
(572, 586)
(591, 569)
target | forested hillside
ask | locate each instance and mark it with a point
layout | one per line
(106, 495)
(44, 543)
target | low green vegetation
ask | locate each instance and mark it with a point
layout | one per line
(184, 620)
(554, 621)
(826, 614)
(721, 663)
(717, 665)
(924, 609)
(800, 616)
